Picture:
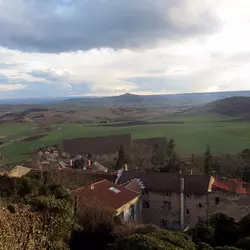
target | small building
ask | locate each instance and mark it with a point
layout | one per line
(124, 202)
(14, 171)
(230, 196)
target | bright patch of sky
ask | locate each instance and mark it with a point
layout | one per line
(139, 46)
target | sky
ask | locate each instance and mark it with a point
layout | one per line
(108, 47)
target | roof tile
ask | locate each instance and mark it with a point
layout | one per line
(102, 192)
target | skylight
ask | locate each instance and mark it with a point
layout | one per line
(114, 190)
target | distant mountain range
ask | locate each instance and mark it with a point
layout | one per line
(171, 100)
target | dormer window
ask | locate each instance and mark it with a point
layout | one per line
(166, 194)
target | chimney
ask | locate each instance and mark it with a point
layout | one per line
(191, 172)
(125, 167)
(180, 172)
(89, 163)
(71, 163)
(182, 202)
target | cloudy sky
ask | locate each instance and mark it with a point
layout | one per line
(106, 47)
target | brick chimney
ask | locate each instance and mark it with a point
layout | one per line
(71, 163)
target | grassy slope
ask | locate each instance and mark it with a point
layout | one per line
(218, 131)
(12, 131)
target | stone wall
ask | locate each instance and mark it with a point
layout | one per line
(164, 209)
(234, 205)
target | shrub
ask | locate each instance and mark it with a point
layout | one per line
(227, 248)
(204, 246)
(139, 242)
(203, 233)
(28, 230)
(245, 226)
(170, 238)
(95, 227)
(244, 243)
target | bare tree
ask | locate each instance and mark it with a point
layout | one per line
(141, 155)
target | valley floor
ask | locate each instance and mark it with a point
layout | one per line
(191, 133)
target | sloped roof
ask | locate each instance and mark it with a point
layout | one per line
(97, 145)
(107, 193)
(14, 171)
(167, 182)
(135, 186)
(235, 185)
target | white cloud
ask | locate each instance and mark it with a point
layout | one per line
(10, 87)
(213, 61)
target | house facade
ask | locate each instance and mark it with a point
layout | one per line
(124, 202)
(170, 200)
(178, 201)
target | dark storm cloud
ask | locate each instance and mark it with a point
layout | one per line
(57, 25)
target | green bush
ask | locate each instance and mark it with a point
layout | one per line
(170, 238)
(203, 233)
(244, 243)
(227, 248)
(139, 242)
(49, 203)
(204, 246)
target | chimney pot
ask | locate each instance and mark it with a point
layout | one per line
(125, 167)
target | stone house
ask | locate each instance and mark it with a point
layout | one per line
(179, 201)
(170, 200)
(124, 202)
(231, 196)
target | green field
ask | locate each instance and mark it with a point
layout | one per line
(220, 132)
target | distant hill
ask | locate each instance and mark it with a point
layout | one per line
(128, 99)
(173, 100)
(231, 106)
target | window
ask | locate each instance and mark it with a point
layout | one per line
(166, 205)
(114, 190)
(188, 196)
(164, 223)
(166, 194)
(217, 200)
(187, 211)
(145, 204)
(200, 205)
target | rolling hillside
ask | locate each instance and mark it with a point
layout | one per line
(230, 106)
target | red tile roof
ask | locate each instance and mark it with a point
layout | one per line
(220, 185)
(235, 185)
(102, 192)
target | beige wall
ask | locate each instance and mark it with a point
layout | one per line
(126, 209)
(234, 205)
